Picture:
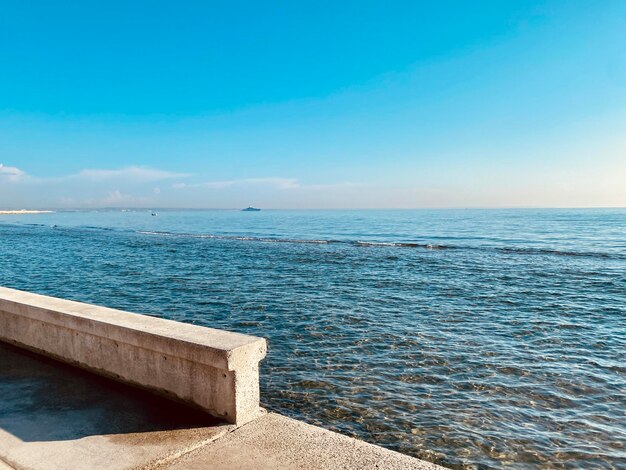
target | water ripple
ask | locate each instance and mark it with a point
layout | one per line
(481, 356)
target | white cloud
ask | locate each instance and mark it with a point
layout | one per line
(273, 182)
(279, 183)
(133, 173)
(117, 198)
(11, 173)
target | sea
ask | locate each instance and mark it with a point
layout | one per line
(470, 338)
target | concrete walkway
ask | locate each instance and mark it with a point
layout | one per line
(53, 416)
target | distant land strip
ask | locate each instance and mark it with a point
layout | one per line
(24, 211)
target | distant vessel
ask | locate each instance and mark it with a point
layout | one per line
(154, 214)
(250, 209)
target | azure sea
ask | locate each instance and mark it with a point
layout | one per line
(471, 338)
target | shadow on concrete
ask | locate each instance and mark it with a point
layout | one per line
(45, 400)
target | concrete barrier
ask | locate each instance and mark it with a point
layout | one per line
(214, 370)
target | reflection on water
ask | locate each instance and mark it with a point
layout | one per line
(508, 348)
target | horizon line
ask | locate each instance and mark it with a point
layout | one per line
(154, 208)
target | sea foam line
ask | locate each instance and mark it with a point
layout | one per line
(538, 251)
(358, 243)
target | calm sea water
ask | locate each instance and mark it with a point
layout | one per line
(469, 338)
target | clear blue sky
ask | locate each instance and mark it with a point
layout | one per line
(313, 104)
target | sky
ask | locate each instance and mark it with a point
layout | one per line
(298, 105)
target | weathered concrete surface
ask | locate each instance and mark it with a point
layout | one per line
(276, 442)
(57, 417)
(212, 369)
(4, 466)
(54, 416)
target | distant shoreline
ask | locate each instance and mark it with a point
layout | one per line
(24, 211)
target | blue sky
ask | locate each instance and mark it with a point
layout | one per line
(313, 104)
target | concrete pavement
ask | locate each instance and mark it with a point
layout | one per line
(212, 369)
(54, 416)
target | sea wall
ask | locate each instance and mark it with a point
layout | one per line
(211, 369)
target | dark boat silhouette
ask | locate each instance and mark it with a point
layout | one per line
(250, 209)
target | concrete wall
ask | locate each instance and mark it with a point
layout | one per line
(214, 370)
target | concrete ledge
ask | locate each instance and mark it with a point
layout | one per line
(57, 417)
(277, 442)
(212, 369)
(4, 466)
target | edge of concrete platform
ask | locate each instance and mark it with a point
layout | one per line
(5, 466)
(215, 370)
(274, 441)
